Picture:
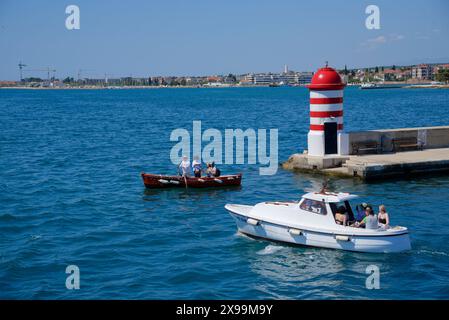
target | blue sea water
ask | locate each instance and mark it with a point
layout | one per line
(70, 193)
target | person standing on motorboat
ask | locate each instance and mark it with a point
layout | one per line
(196, 166)
(383, 218)
(184, 167)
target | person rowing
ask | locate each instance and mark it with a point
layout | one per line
(184, 167)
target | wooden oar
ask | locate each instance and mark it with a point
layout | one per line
(185, 180)
(184, 175)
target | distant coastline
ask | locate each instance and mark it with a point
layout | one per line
(414, 86)
(423, 75)
(138, 87)
(131, 87)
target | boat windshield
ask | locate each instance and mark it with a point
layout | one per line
(313, 206)
(335, 205)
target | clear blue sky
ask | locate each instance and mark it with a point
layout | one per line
(200, 37)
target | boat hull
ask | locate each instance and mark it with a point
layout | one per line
(275, 232)
(158, 181)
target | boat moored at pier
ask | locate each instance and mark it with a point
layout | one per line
(311, 222)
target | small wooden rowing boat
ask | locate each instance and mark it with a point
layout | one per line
(162, 181)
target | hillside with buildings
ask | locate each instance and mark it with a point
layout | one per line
(422, 73)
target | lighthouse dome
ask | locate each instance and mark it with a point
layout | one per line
(326, 79)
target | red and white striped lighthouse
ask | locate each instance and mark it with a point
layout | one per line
(326, 113)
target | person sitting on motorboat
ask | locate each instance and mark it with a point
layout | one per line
(196, 166)
(361, 211)
(370, 221)
(341, 216)
(184, 167)
(383, 218)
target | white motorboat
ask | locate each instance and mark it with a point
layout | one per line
(379, 86)
(311, 222)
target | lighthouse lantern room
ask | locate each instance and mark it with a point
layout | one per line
(326, 135)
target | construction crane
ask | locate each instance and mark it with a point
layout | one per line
(21, 65)
(48, 70)
(107, 76)
(82, 70)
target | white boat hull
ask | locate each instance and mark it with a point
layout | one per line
(270, 231)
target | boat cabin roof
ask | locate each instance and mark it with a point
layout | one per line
(329, 196)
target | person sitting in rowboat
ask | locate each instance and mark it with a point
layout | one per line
(196, 165)
(212, 170)
(184, 167)
(209, 170)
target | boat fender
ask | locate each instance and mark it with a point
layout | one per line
(231, 178)
(295, 232)
(163, 181)
(342, 238)
(201, 180)
(253, 222)
(218, 180)
(174, 181)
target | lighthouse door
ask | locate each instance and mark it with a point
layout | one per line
(330, 138)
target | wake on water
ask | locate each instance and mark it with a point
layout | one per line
(270, 249)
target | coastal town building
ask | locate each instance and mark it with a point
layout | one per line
(422, 72)
(247, 79)
(265, 79)
(393, 75)
(440, 67)
(305, 78)
(8, 83)
(287, 77)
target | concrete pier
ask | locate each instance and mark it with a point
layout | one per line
(380, 166)
(432, 156)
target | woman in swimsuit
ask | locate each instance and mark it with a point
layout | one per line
(383, 217)
(341, 216)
